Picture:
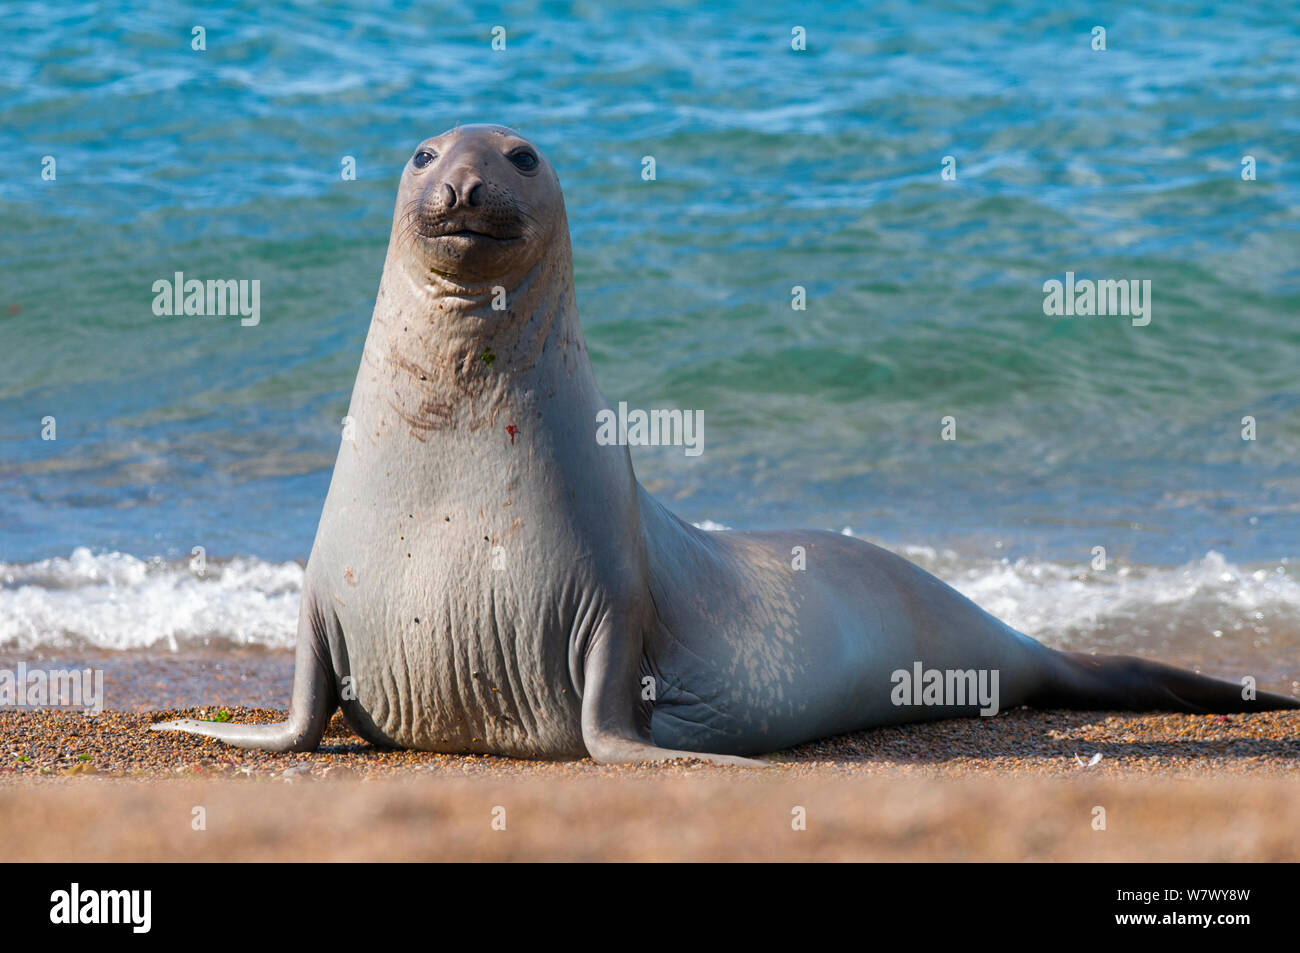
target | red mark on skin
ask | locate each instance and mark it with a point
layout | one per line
(512, 430)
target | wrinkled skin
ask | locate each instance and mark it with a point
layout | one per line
(486, 577)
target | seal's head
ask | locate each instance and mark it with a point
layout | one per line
(478, 205)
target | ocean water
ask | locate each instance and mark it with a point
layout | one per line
(774, 168)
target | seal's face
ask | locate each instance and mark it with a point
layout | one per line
(477, 205)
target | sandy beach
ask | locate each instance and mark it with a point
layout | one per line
(1025, 785)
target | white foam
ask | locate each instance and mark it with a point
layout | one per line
(1125, 607)
(116, 601)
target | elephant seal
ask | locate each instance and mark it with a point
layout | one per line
(488, 577)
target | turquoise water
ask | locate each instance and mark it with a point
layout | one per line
(775, 168)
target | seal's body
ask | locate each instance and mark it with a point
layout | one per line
(487, 577)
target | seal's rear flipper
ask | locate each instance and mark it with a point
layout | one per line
(314, 701)
(1124, 683)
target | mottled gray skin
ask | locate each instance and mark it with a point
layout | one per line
(473, 434)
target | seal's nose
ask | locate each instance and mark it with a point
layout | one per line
(461, 188)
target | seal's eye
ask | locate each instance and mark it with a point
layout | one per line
(421, 159)
(525, 160)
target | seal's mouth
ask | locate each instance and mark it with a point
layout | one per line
(462, 232)
(470, 244)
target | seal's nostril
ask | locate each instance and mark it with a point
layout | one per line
(448, 195)
(473, 194)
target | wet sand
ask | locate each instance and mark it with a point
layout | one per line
(1024, 785)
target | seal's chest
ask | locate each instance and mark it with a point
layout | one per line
(468, 662)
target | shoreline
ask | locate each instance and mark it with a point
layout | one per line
(256, 676)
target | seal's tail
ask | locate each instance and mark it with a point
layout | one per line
(1124, 683)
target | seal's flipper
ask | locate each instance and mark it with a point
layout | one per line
(314, 700)
(1124, 683)
(614, 727)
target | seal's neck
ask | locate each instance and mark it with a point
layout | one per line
(447, 357)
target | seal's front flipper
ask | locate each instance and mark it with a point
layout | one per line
(279, 736)
(314, 701)
(614, 729)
